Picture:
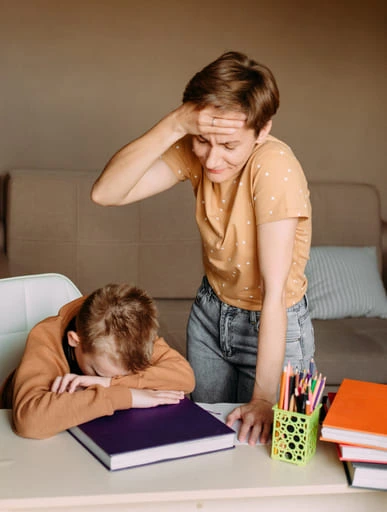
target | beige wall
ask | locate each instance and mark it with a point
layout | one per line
(80, 77)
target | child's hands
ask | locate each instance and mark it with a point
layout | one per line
(151, 398)
(72, 382)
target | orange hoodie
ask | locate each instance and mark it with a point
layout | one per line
(39, 413)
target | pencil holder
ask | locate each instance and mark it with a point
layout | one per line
(294, 435)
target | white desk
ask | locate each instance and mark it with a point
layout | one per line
(58, 474)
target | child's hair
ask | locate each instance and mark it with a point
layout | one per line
(120, 320)
(235, 82)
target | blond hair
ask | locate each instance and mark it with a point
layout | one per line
(120, 320)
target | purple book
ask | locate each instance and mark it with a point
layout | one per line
(135, 437)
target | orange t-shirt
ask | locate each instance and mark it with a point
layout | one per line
(271, 187)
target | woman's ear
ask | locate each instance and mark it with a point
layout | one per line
(73, 339)
(264, 132)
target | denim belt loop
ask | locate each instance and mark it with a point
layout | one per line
(253, 317)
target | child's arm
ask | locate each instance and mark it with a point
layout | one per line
(71, 382)
(168, 370)
(141, 398)
(39, 412)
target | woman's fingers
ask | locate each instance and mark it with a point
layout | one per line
(217, 121)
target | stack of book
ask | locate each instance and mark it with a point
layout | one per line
(356, 421)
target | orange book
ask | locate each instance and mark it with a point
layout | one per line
(358, 415)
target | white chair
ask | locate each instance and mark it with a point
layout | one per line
(25, 301)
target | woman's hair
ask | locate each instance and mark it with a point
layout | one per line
(121, 321)
(235, 82)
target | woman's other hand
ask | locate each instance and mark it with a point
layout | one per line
(257, 419)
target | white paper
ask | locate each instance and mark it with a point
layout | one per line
(221, 410)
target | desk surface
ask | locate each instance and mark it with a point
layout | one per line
(59, 473)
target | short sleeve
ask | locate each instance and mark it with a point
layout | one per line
(181, 159)
(279, 185)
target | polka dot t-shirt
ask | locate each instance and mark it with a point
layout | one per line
(271, 187)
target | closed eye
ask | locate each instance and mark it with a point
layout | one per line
(94, 372)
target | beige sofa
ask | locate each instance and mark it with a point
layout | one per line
(51, 225)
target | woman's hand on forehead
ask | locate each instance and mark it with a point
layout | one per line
(218, 122)
(209, 120)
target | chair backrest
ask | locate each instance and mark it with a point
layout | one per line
(25, 301)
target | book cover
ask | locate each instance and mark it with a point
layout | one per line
(135, 437)
(361, 454)
(366, 475)
(358, 415)
(354, 452)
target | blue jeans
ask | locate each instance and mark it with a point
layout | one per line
(223, 343)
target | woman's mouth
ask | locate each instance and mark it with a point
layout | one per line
(215, 171)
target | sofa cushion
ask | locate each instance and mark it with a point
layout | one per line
(355, 348)
(173, 318)
(346, 214)
(153, 243)
(345, 282)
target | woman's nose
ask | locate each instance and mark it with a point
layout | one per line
(212, 158)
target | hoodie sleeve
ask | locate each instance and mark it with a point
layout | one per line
(169, 370)
(39, 413)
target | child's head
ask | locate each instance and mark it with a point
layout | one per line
(116, 325)
(236, 83)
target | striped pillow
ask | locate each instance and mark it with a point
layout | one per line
(345, 282)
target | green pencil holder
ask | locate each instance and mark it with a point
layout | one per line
(294, 436)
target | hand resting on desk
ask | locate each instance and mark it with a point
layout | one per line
(256, 421)
(229, 413)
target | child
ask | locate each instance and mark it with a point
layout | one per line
(98, 355)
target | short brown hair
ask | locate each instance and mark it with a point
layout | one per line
(121, 320)
(236, 82)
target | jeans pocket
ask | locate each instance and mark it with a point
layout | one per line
(299, 340)
(293, 351)
(202, 291)
(307, 337)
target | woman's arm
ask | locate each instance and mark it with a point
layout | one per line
(136, 171)
(275, 251)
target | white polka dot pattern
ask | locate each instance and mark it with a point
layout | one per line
(271, 187)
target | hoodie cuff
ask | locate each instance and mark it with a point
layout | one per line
(120, 397)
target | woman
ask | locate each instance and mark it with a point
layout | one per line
(253, 211)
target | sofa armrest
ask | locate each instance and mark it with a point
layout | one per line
(384, 252)
(2, 211)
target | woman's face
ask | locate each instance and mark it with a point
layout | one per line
(224, 156)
